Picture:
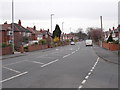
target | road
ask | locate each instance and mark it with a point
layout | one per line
(72, 66)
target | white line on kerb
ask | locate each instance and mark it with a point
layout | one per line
(13, 77)
(50, 63)
(12, 69)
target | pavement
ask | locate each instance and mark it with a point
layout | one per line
(107, 55)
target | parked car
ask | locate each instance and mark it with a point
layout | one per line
(72, 43)
(88, 42)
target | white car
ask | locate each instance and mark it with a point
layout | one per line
(89, 42)
(72, 43)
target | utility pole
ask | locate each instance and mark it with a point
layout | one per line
(51, 22)
(13, 26)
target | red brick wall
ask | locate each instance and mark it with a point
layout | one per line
(105, 45)
(111, 46)
(6, 50)
(34, 48)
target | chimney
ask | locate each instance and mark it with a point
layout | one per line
(19, 22)
(41, 30)
(34, 28)
(113, 28)
(109, 29)
(48, 30)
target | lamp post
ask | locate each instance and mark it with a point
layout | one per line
(62, 26)
(101, 28)
(62, 30)
(13, 26)
(51, 22)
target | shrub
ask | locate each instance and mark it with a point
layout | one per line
(26, 48)
(43, 42)
(115, 42)
(35, 43)
(3, 45)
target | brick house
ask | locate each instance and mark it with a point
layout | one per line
(21, 34)
(46, 35)
(35, 34)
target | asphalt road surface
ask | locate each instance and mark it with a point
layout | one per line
(72, 66)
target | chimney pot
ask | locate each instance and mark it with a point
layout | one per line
(19, 22)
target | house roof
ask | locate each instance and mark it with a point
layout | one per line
(16, 27)
(20, 28)
(34, 31)
(5, 26)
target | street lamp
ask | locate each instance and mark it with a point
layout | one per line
(62, 26)
(62, 30)
(13, 26)
(51, 22)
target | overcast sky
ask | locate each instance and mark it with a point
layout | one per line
(74, 13)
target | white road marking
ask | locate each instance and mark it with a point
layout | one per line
(66, 55)
(83, 82)
(89, 73)
(86, 77)
(36, 62)
(15, 63)
(80, 86)
(12, 69)
(13, 77)
(91, 70)
(73, 52)
(50, 63)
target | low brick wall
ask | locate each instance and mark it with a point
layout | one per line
(37, 47)
(105, 45)
(114, 47)
(34, 48)
(111, 46)
(6, 51)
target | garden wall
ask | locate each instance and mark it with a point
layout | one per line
(6, 51)
(36, 47)
(111, 46)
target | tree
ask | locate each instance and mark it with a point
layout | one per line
(80, 34)
(110, 39)
(94, 33)
(57, 32)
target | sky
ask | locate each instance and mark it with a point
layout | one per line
(74, 13)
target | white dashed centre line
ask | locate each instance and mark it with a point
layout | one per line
(83, 82)
(66, 55)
